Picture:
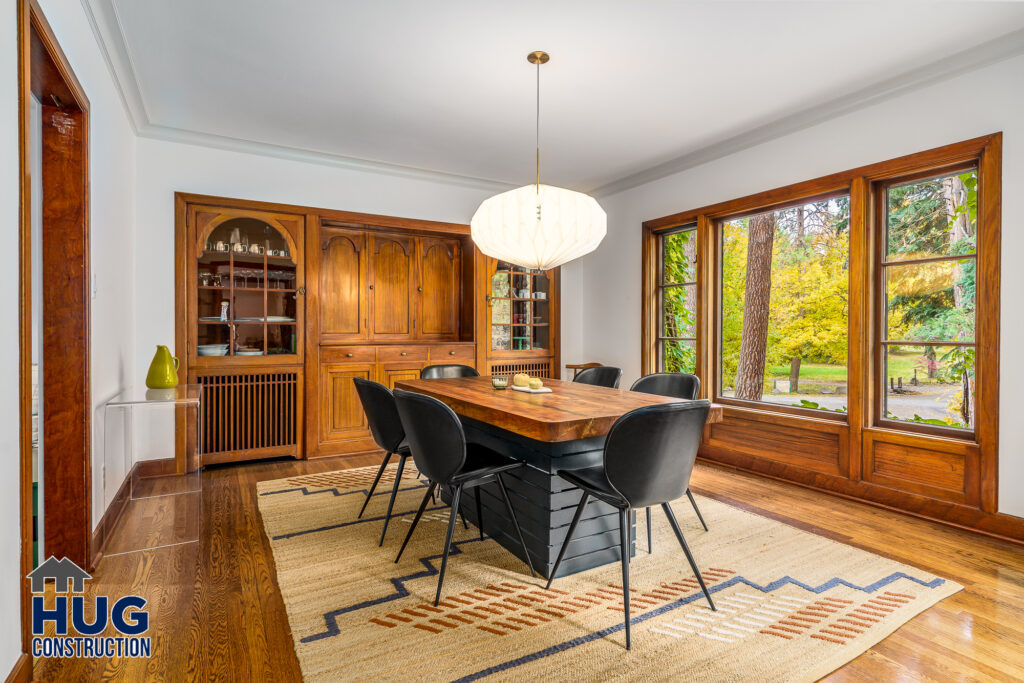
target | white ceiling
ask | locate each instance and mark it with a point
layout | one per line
(445, 86)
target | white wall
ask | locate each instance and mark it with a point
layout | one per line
(168, 167)
(985, 101)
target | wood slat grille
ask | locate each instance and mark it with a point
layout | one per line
(532, 368)
(250, 411)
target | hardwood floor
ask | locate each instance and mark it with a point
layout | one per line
(216, 612)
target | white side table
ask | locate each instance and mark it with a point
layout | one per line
(152, 480)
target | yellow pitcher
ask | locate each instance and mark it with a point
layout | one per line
(163, 371)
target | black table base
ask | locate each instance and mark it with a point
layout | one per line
(544, 503)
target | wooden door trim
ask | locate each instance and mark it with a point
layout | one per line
(43, 67)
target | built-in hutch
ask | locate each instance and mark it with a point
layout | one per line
(279, 307)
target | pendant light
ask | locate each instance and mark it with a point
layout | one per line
(538, 226)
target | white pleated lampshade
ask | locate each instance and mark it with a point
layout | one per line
(538, 227)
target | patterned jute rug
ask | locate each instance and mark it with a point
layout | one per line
(793, 606)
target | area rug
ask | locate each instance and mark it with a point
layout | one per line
(792, 606)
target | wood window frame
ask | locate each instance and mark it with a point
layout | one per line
(653, 321)
(861, 428)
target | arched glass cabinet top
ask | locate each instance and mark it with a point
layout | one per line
(520, 308)
(246, 287)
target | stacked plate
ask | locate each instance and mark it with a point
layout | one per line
(212, 349)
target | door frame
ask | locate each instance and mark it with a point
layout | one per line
(44, 69)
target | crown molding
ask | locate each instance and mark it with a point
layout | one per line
(230, 144)
(106, 28)
(971, 59)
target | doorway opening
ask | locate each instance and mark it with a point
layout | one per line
(54, 271)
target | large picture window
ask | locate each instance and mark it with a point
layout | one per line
(927, 290)
(677, 297)
(785, 305)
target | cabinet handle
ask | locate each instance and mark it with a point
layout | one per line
(348, 355)
(371, 286)
(404, 353)
(451, 353)
(419, 289)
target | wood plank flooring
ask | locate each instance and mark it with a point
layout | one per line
(216, 612)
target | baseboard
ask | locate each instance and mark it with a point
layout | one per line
(22, 670)
(110, 518)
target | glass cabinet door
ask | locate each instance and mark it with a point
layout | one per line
(519, 306)
(247, 291)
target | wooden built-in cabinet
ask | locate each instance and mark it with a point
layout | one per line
(317, 298)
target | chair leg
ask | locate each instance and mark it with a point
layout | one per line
(689, 556)
(568, 537)
(479, 513)
(394, 493)
(650, 542)
(448, 541)
(624, 533)
(373, 487)
(465, 524)
(696, 509)
(416, 520)
(515, 522)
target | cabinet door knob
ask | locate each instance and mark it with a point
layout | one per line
(348, 355)
(451, 353)
(419, 289)
(404, 353)
(371, 286)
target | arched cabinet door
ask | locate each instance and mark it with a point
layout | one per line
(438, 289)
(344, 291)
(391, 290)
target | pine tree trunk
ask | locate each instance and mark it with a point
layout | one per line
(750, 372)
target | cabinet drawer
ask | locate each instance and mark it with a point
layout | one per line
(387, 354)
(347, 354)
(464, 354)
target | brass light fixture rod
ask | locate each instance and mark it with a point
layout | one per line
(538, 57)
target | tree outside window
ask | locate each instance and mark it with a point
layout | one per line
(677, 294)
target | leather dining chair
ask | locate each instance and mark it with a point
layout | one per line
(601, 376)
(648, 457)
(438, 371)
(441, 453)
(673, 385)
(388, 433)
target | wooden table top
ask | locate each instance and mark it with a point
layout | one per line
(572, 411)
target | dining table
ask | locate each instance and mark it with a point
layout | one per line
(564, 429)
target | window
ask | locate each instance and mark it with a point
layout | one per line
(927, 289)
(784, 305)
(677, 297)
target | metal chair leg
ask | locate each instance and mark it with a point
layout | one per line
(394, 493)
(448, 541)
(415, 521)
(689, 556)
(373, 487)
(568, 537)
(624, 533)
(479, 513)
(515, 522)
(650, 542)
(695, 509)
(465, 524)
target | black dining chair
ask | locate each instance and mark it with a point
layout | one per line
(438, 371)
(673, 385)
(648, 458)
(388, 433)
(439, 448)
(601, 376)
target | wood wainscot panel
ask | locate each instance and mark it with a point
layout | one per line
(819, 445)
(931, 466)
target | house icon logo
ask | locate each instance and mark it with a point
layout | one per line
(116, 628)
(63, 572)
